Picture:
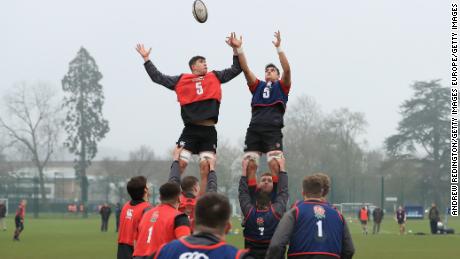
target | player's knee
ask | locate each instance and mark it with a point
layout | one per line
(185, 156)
(272, 155)
(204, 156)
(253, 158)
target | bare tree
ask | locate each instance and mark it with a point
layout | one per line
(140, 161)
(32, 123)
(228, 167)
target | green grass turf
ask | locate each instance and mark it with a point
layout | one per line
(60, 236)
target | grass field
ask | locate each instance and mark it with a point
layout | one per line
(58, 236)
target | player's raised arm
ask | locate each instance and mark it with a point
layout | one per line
(238, 44)
(211, 185)
(175, 173)
(286, 77)
(229, 73)
(243, 191)
(282, 196)
(156, 76)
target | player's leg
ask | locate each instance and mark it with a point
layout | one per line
(365, 227)
(252, 152)
(204, 171)
(188, 140)
(2, 224)
(273, 144)
(207, 148)
(17, 222)
(19, 229)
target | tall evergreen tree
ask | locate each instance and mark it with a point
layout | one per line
(423, 133)
(84, 122)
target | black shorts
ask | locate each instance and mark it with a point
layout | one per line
(263, 139)
(197, 138)
(19, 223)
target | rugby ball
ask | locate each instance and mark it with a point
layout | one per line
(200, 12)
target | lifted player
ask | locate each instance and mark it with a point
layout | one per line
(199, 95)
(269, 99)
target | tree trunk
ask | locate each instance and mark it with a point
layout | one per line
(42, 185)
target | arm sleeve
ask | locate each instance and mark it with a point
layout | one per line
(253, 87)
(244, 197)
(282, 235)
(181, 226)
(174, 174)
(282, 197)
(228, 74)
(285, 88)
(212, 182)
(348, 248)
(159, 78)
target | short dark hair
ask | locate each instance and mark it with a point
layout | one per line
(169, 192)
(263, 200)
(313, 186)
(187, 183)
(193, 60)
(136, 187)
(273, 66)
(212, 210)
(326, 182)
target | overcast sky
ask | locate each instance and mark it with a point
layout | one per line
(359, 54)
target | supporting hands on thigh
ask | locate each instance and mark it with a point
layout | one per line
(212, 163)
(281, 162)
(176, 153)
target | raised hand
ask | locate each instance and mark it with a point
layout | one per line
(233, 41)
(277, 41)
(143, 52)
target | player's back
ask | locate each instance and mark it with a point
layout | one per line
(198, 246)
(155, 229)
(130, 218)
(259, 227)
(187, 206)
(318, 230)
